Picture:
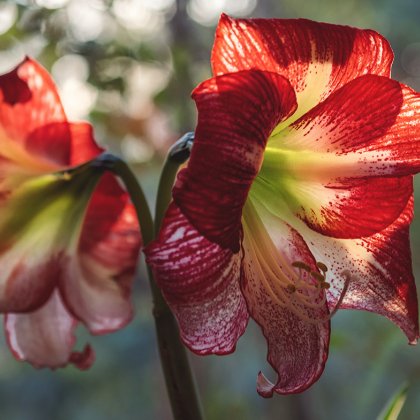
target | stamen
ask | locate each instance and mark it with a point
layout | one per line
(322, 266)
(299, 298)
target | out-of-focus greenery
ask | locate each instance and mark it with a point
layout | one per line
(129, 66)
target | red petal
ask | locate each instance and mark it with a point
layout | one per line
(96, 282)
(32, 119)
(83, 145)
(236, 114)
(200, 281)
(45, 338)
(297, 332)
(368, 129)
(317, 58)
(381, 272)
(390, 289)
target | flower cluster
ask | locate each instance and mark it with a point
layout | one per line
(297, 197)
(69, 237)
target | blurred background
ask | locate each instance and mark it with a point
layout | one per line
(129, 67)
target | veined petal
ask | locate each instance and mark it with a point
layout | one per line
(45, 338)
(381, 278)
(317, 58)
(337, 162)
(33, 127)
(200, 281)
(98, 274)
(236, 114)
(291, 310)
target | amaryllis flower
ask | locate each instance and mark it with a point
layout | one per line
(69, 238)
(297, 197)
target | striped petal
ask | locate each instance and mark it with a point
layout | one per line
(336, 163)
(290, 308)
(317, 58)
(236, 114)
(45, 338)
(200, 281)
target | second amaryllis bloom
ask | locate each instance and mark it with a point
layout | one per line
(297, 197)
(69, 237)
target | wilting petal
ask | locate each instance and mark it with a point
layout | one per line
(45, 338)
(380, 269)
(317, 58)
(200, 281)
(98, 274)
(236, 114)
(290, 309)
(335, 162)
(33, 127)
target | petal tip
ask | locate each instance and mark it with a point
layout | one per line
(264, 386)
(84, 359)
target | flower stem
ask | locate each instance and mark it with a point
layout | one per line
(179, 379)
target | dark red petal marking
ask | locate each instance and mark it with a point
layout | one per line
(236, 114)
(45, 338)
(200, 281)
(292, 46)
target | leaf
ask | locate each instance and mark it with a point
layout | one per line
(394, 406)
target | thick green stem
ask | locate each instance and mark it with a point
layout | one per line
(178, 375)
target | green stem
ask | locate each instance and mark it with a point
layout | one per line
(178, 375)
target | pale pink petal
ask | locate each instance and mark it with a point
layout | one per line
(45, 338)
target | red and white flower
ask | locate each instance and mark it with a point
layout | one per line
(69, 241)
(297, 196)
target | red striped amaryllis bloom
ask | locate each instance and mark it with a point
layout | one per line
(297, 197)
(68, 240)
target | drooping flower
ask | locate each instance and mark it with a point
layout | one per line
(297, 197)
(69, 238)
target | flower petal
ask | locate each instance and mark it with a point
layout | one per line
(317, 58)
(97, 278)
(339, 160)
(236, 113)
(294, 322)
(33, 125)
(33, 237)
(83, 146)
(45, 338)
(200, 281)
(381, 278)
